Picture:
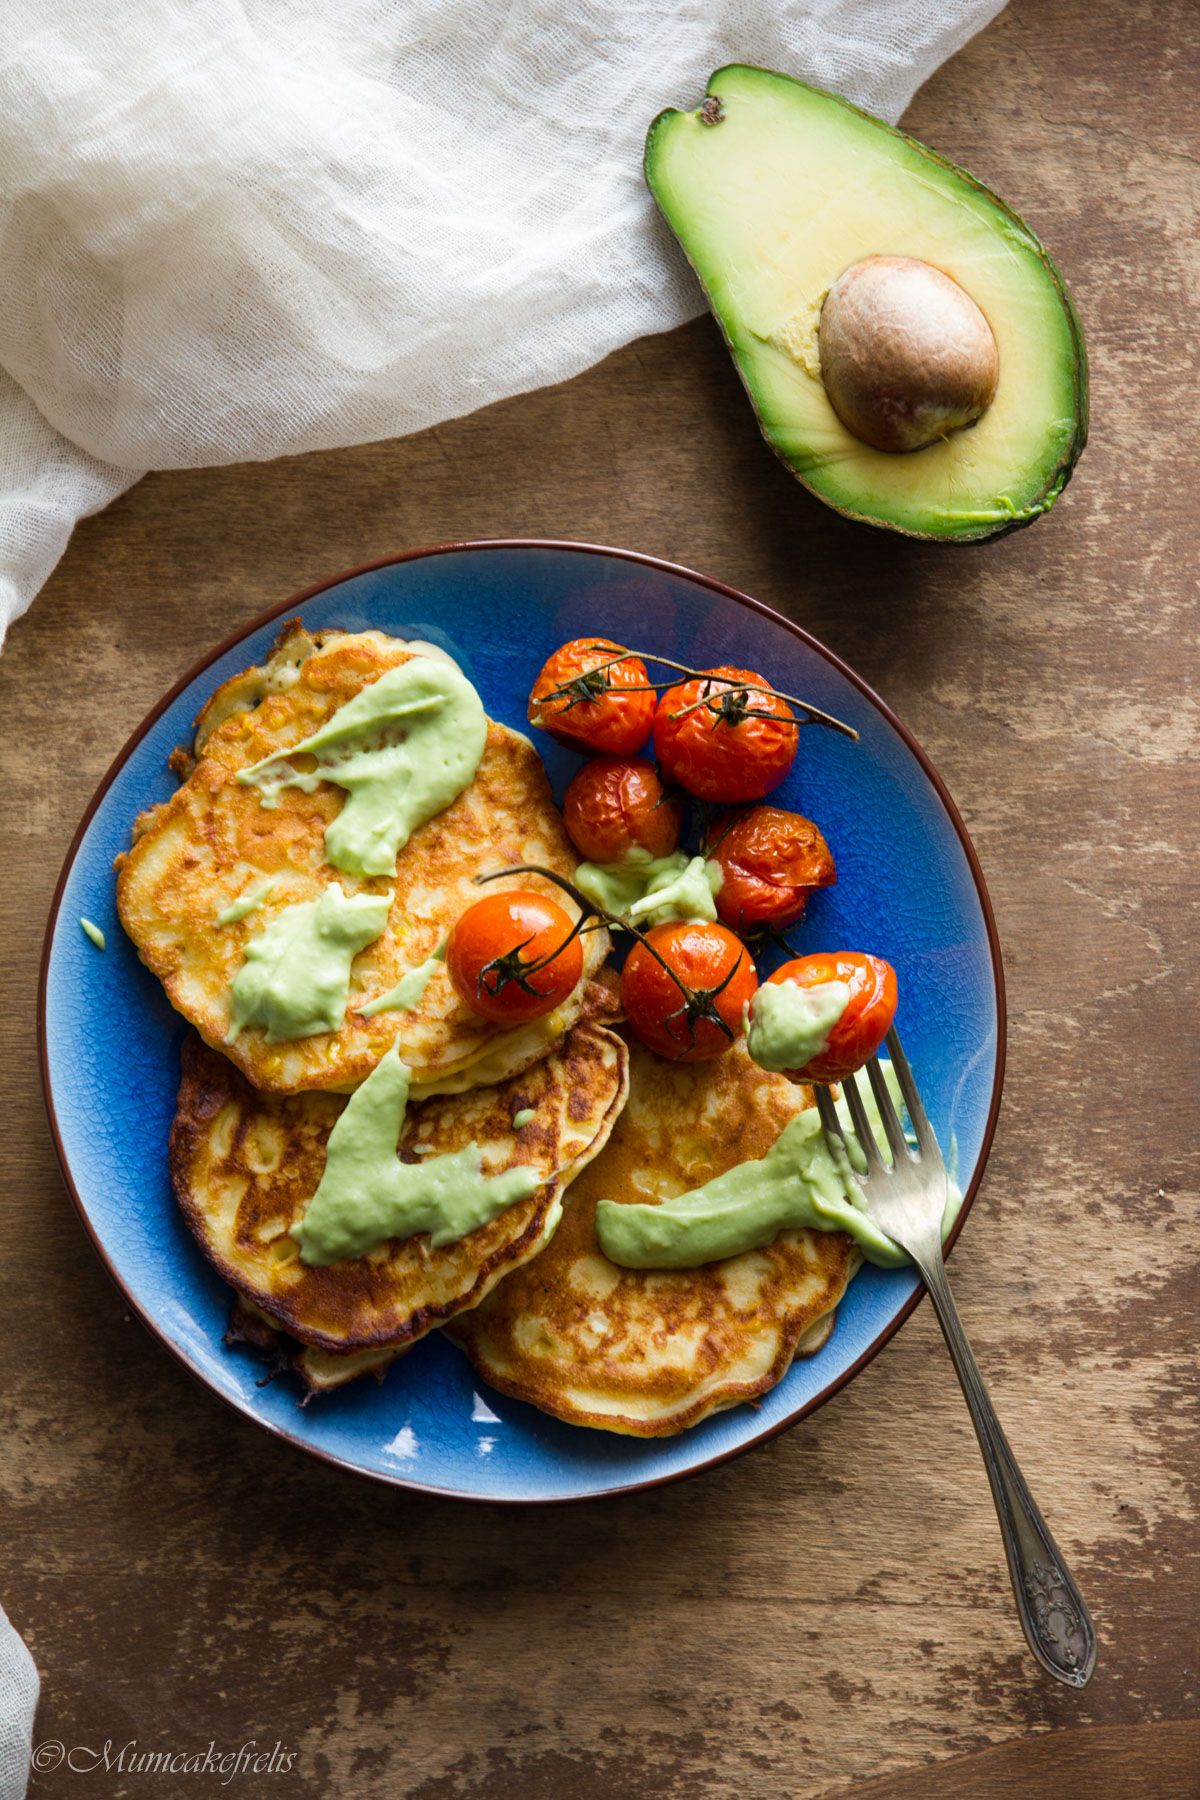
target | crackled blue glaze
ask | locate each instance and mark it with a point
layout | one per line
(905, 890)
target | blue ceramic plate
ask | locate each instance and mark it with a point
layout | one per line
(909, 888)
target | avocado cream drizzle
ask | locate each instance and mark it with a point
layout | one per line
(787, 1025)
(653, 890)
(402, 749)
(798, 1185)
(367, 1195)
(409, 991)
(246, 903)
(295, 979)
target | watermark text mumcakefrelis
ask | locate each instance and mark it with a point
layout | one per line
(131, 1758)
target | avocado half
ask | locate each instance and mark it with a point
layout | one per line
(773, 188)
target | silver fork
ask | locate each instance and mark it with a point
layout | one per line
(907, 1199)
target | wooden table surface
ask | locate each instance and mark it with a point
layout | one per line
(830, 1614)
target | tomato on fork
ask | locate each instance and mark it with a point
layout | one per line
(866, 1019)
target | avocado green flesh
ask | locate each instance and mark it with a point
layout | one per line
(788, 188)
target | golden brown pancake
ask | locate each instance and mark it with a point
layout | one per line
(245, 1165)
(320, 1370)
(649, 1352)
(214, 842)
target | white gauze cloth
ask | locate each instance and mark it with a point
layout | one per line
(18, 1703)
(238, 229)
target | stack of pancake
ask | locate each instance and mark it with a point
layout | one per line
(529, 1296)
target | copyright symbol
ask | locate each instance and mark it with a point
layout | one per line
(48, 1755)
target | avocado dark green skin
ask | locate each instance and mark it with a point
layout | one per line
(711, 115)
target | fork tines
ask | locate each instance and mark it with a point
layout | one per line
(926, 1147)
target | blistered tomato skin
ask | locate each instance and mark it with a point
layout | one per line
(771, 861)
(724, 737)
(491, 946)
(608, 711)
(868, 1015)
(614, 806)
(674, 1016)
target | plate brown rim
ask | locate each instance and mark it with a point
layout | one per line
(726, 592)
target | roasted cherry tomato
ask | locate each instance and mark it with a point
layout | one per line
(868, 1015)
(691, 1010)
(613, 806)
(590, 706)
(770, 861)
(508, 957)
(723, 736)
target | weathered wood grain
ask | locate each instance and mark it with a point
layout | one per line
(830, 1612)
(1140, 1762)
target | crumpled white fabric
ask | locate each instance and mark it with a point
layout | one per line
(18, 1703)
(236, 229)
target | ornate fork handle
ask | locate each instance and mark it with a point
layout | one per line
(1053, 1616)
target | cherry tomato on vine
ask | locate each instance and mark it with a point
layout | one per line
(770, 861)
(868, 1015)
(613, 806)
(509, 959)
(725, 736)
(590, 706)
(692, 1009)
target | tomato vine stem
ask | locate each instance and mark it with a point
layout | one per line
(697, 1002)
(573, 691)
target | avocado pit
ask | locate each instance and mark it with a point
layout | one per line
(906, 355)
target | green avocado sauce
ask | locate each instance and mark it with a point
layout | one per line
(653, 890)
(402, 749)
(798, 1185)
(246, 903)
(92, 930)
(787, 1025)
(295, 979)
(409, 991)
(367, 1195)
